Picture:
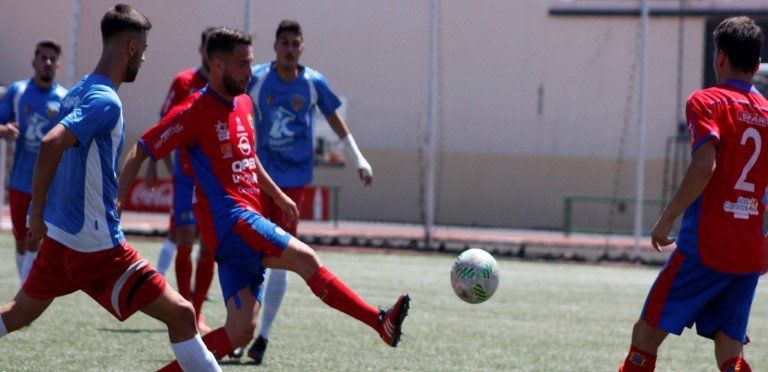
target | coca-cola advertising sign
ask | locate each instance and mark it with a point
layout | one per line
(142, 198)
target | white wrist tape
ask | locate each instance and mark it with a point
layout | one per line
(355, 153)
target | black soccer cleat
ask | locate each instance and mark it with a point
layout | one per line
(392, 320)
(256, 352)
(237, 353)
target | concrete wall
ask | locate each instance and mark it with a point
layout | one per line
(533, 107)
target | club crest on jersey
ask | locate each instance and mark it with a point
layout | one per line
(226, 150)
(297, 102)
(27, 109)
(742, 208)
(270, 100)
(222, 131)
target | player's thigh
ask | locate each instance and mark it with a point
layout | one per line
(297, 257)
(22, 310)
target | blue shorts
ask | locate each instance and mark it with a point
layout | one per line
(687, 292)
(240, 252)
(183, 189)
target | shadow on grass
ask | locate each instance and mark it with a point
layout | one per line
(131, 330)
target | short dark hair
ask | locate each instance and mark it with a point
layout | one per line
(121, 18)
(205, 34)
(288, 25)
(224, 39)
(48, 43)
(741, 40)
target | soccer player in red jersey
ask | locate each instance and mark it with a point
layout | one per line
(216, 126)
(181, 232)
(710, 278)
(73, 206)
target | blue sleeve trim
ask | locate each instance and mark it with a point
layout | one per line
(704, 140)
(146, 149)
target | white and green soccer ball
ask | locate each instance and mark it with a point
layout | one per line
(475, 276)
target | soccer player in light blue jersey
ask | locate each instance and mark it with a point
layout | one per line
(74, 209)
(26, 112)
(286, 95)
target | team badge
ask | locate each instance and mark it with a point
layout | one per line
(52, 109)
(297, 102)
(27, 109)
(270, 99)
(222, 131)
(226, 150)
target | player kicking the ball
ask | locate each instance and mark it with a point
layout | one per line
(215, 125)
(710, 278)
(73, 206)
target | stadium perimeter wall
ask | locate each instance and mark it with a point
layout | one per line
(532, 106)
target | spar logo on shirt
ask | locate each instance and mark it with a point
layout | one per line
(742, 208)
(751, 118)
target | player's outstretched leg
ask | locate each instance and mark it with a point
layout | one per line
(179, 316)
(273, 297)
(645, 344)
(203, 277)
(730, 353)
(301, 259)
(29, 258)
(20, 312)
(242, 312)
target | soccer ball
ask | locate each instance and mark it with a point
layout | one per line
(475, 276)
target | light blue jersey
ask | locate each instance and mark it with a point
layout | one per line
(285, 121)
(33, 108)
(80, 210)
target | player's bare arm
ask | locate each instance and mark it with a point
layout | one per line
(267, 185)
(52, 147)
(128, 173)
(342, 130)
(150, 174)
(695, 180)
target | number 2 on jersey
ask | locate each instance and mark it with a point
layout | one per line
(742, 184)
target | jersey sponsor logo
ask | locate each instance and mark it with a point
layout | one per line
(222, 131)
(248, 190)
(244, 177)
(243, 165)
(167, 134)
(243, 144)
(240, 127)
(70, 102)
(280, 137)
(752, 118)
(742, 208)
(35, 131)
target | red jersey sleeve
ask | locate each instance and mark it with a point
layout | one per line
(178, 91)
(701, 124)
(173, 131)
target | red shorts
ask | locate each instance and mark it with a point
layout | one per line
(19, 202)
(117, 278)
(272, 212)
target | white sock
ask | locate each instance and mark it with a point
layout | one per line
(3, 330)
(273, 296)
(192, 355)
(19, 262)
(166, 256)
(29, 258)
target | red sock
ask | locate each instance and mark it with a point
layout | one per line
(184, 270)
(203, 278)
(337, 295)
(735, 365)
(217, 342)
(638, 361)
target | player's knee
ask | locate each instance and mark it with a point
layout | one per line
(182, 315)
(242, 334)
(185, 237)
(308, 257)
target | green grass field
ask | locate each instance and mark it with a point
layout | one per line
(544, 317)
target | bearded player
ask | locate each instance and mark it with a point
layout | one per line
(215, 126)
(73, 206)
(25, 114)
(710, 278)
